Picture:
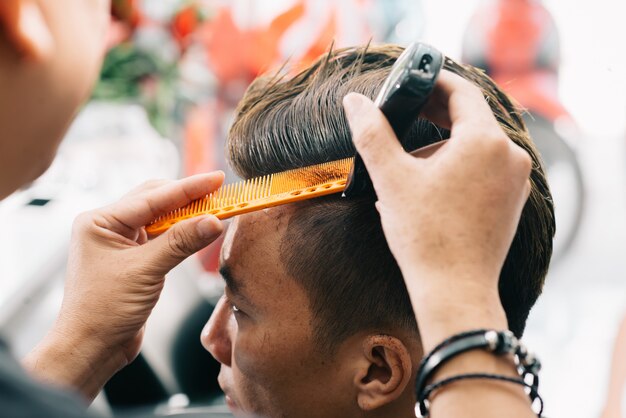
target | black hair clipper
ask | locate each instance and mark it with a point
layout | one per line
(401, 99)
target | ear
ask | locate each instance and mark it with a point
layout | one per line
(26, 29)
(384, 373)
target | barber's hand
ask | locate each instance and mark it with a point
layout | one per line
(114, 279)
(449, 218)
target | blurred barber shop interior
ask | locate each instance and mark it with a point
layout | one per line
(174, 73)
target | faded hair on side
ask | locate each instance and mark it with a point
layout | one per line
(335, 248)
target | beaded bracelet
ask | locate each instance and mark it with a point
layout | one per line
(496, 342)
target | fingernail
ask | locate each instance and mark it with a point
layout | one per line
(353, 103)
(209, 227)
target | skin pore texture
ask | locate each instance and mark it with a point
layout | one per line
(272, 362)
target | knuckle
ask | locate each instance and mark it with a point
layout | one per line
(367, 145)
(498, 141)
(497, 136)
(178, 242)
(528, 188)
(367, 135)
(470, 92)
(88, 224)
(148, 184)
(524, 160)
(494, 144)
(145, 186)
(82, 220)
(473, 90)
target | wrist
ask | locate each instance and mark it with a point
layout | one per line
(75, 361)
(446, 304)
(436, 324)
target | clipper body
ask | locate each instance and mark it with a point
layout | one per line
(401, 99)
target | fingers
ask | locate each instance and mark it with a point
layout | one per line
(374, 139)
(459, 105)
(180, 241)
(525, 164)
(527, 189)
(148, 185)
(139, 209)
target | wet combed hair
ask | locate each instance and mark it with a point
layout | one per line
(334, 247)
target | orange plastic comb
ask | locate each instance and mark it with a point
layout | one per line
(262, 192)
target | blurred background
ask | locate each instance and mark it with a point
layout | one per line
(170, 82)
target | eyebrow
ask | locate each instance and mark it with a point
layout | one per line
(236, 286)
(230, 280)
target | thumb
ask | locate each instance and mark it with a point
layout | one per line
(180, 241)
(374, 139)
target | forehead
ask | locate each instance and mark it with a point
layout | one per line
(251, 252)
(257, 233)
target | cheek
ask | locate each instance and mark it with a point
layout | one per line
(278, 376)
(272, 356)
(258, 374)
(251, 357)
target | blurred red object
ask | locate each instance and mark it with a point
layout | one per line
(125, 17)
(199, 139)
(537, 91)
(258, 48)
(517, 43)
(185, 23)
(209, 256)
(118, 33)
(126, 11)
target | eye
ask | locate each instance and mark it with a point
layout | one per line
(234, 308)
(237, 313)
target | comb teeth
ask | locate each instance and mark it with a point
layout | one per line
(301, 178)
(236, 193)
(262, 192)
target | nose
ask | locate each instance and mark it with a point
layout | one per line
(216, 333)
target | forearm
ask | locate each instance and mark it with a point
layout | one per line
(443, 311)
(72, 362)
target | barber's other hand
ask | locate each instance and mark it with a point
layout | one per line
(449, 218)
(114, 279)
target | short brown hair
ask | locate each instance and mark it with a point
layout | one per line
(334, 247)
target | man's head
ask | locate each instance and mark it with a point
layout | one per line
(323, 325)
(50, 54)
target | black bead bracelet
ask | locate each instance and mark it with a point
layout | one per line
(496, 342)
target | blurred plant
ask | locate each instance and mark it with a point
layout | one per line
(132, 74)
(176, 56)
(142, 64)
(185, 23)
